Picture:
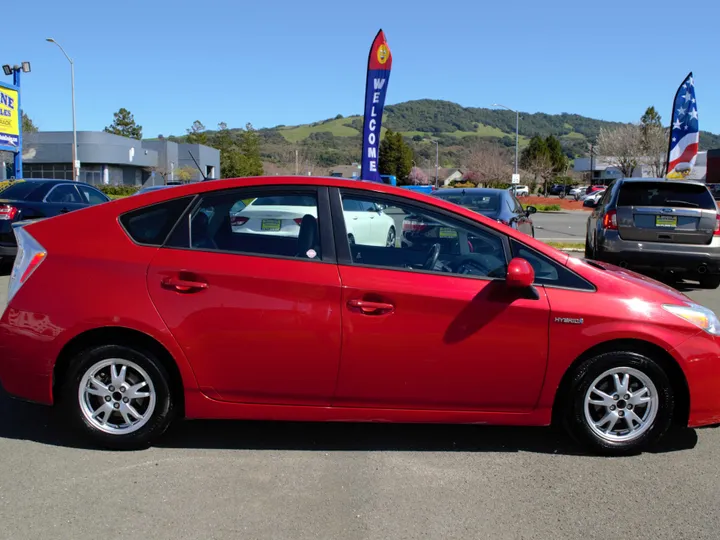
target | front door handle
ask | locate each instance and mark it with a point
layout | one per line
(371, 308)
(184, 285)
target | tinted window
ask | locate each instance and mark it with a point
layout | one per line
(516, 203)
(672, 194)
(152, 224)
(286, 200)
(20, 191)
(283, 225)
(410, 238)
(93, 196)
(480, 202)
(547, 271)
(64, 194)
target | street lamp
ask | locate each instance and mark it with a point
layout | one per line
(437, 168)
(517, 131)
(76, 169)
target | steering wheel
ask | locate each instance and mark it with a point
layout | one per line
(432, 258)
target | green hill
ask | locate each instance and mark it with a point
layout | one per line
(337, 141)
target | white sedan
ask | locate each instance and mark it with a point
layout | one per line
(520, 191)
(366, 223)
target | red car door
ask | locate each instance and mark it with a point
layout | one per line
(257, 314)
(436, 332)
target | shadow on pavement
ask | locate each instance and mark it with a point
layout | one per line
(24, 421)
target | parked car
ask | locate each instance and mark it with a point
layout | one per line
(593, 199)
(658, 225)
(34, 199)
(498, 204)
(560, 189)
(714, 190)
(520, 190)
(577, 192)
(143, 328)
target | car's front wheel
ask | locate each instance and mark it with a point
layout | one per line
(710, 282)
(619, 403)
(391, 238)
(118, 397)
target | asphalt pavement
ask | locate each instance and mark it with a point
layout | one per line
(568, 226)
(256, 480)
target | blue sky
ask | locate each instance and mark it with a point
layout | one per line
(282, 62)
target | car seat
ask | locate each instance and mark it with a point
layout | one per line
(308, 238)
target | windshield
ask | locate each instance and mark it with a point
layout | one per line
(20, 190)
(481, 202)
(675, 195)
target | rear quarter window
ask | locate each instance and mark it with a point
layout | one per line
(151, 225)
(675, 194)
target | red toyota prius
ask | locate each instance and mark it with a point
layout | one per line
(321, 299)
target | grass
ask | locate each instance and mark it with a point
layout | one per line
(547, 207)
(336, 127)
(566, 245)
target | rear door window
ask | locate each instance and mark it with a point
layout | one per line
(666, 194)
(64, 193)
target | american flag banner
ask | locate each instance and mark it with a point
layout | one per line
(684, 131)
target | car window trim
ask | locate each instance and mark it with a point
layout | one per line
(45, 199)
(591, 286)
(344, 257)
(325, 227)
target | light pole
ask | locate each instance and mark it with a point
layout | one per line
(437, 161)
(517, 131)
(76, 169)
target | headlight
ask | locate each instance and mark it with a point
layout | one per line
(699, 316)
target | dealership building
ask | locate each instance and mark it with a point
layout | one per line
(114, 160)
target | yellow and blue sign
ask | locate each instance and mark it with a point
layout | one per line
(9, 118)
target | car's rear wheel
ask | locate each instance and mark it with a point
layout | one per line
(589, 252)
(118, 397)
(619, 403)
(710, 282)
(390, 242)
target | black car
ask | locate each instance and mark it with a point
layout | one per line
(37, 199)
(498, 204)
(557, 189)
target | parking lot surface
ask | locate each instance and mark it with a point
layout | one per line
(351, 481)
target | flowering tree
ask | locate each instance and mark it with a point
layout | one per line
(417, 177)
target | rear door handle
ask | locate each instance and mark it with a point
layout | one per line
(371, 308)
(184, 285)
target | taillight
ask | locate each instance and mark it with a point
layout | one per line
(30, 255)
(610, 221)
(236, 221)
(716, 232)
(413, 225)
(298, 221)
(7, 212)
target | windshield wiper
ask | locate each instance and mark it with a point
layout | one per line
(668, 201)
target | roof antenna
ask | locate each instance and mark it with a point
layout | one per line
(198, 166)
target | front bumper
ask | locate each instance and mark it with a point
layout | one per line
(699, 358)
(686, 258)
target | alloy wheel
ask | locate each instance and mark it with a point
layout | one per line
(621, 404)
(117, 396)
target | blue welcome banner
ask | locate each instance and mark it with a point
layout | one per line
(378, 75)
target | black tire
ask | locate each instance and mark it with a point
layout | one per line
(585, 375)
(6, 264)
(160, 418)
(589, 251)
(710, 282)
(391, 237)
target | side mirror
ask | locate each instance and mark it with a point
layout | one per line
(530, 210)
(520, 274)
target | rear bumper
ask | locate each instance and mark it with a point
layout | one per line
(687, 258)
(8, 250)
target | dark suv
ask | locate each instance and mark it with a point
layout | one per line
(660, 225)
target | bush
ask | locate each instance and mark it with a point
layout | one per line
(119, 191)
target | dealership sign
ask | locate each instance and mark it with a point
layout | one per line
(9, 118)
(378, 74)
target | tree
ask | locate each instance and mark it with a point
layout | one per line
(196, 134)
(186, 173)
(239, 153)
(488, 163)
(654, 141)
(622, 147)
(124, 124)
(538, 160)
(27, 124)
(557, 156)
(417, 177)
(396, 156)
